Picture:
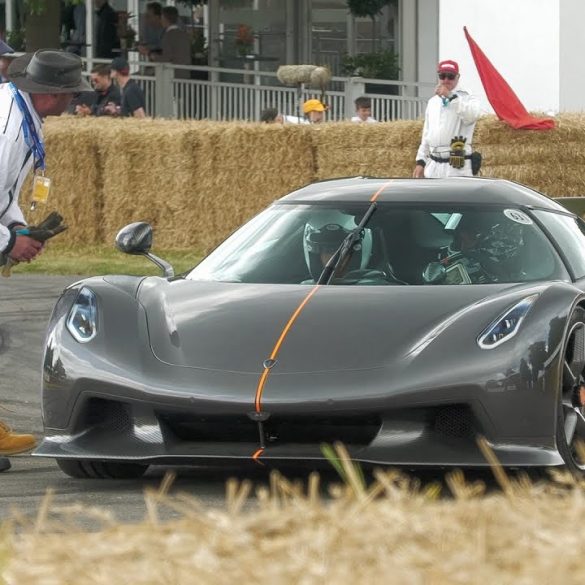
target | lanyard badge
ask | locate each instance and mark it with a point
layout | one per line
(41, 189)
(41, 184)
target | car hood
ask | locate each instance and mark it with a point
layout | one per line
(235, 327)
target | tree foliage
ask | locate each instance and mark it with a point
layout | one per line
(369, 8)
(376, 65)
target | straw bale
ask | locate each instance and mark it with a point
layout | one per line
(384, 150)
(147, 175)
(197, 181)
(74, 166)
(390, 532)
(240, 169)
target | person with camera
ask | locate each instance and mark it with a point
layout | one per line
(451, 114)
(106, 93)
(40, 85)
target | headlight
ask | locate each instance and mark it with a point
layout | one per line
(507, 325)
(82, 320)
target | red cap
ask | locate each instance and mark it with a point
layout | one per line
(448, 67)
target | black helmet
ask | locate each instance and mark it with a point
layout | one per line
(498, 241)
(502, 241)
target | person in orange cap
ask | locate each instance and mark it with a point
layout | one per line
(314, 111)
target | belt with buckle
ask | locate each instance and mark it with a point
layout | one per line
(446, 160)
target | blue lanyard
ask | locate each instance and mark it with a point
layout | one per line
(31, 137)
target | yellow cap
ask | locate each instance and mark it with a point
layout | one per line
(313, 106)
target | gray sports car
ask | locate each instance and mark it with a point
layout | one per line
(401, 317)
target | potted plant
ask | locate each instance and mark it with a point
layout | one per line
(375, 65)
(369, 9)
(16, 39)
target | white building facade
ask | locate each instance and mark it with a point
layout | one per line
(536, 45)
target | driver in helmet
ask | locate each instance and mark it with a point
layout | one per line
(486, 246)
(320, 244)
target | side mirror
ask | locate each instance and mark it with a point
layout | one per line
(136, 238)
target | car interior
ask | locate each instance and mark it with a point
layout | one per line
(405, 242)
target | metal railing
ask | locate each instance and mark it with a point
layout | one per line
(242, 94)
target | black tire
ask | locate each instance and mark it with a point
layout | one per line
(101, 469)
(571, 417)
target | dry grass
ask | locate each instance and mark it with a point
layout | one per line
(392, 531)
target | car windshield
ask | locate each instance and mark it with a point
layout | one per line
(408, 245)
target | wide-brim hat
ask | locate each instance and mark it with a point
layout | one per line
(48, 71)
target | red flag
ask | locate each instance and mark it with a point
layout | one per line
(501, 96)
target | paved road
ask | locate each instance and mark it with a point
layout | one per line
(25, 306)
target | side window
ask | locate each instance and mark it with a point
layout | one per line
(570, 237)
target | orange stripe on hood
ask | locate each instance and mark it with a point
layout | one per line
(290, 323)
(377, 194)
(277, 346)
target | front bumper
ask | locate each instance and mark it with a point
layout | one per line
(177, 433)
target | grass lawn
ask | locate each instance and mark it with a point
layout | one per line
(96, 260)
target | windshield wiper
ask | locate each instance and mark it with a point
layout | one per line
(346, 247)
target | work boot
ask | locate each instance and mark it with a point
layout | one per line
(4, 464)
(12, 443)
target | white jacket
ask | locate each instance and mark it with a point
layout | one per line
(16, 160)
(443, 122)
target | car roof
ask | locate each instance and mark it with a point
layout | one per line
(457, 190)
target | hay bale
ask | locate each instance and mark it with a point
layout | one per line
(378, 150)
(238, 170)
(198, 181)
(147, 175)
(548, 161)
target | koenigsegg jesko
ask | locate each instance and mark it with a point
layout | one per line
(401, 317)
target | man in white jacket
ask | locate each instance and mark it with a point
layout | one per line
(446, 145)
(39, 85)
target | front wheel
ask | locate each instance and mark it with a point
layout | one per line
(101, 469)
(571, 413)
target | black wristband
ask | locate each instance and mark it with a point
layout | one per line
(421, 163)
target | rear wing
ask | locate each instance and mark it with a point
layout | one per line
(575, 205)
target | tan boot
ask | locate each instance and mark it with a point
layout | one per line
(12, 443)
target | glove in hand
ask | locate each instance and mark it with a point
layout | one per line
(48, 228)
(51, 226)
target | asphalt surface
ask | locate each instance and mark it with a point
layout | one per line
(25, 306)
